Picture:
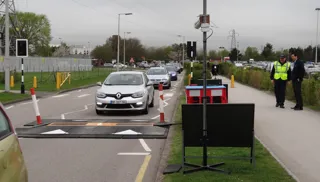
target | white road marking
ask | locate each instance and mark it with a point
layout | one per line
(168, 95)
(71, 112)
(79, 90)
(133, 153)
(62, 116)
(84, 95)
(28, 102)
(58, 96)
(99, 124)
(144, 145)
(155, 117)
(9, 107)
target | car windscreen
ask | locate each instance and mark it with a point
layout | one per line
(124, 79)
(156, 72)
(170, 68)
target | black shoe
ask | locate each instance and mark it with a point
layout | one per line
(282, 106)
(277, 105)
(298, 109)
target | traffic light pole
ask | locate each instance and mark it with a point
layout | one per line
(22, 77)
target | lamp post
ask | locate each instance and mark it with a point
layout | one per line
(316, 60)
(89, 51)
(124, 46)
(118, 50)
(183, 40)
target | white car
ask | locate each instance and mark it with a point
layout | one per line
(125, 91)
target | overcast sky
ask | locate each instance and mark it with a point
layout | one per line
(283, 23)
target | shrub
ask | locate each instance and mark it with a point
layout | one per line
(16, 76)
(260, 79)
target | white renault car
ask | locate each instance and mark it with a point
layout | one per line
(125, 91)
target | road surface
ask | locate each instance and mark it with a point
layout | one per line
(83, 160)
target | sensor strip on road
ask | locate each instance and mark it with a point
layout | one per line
(97, 124)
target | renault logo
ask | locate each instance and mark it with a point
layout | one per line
(118, 95)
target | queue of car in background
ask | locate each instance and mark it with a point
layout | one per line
(125, 91)
(159, 75)
(13, 167)
(172, 72)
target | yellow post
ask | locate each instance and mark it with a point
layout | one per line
(12, 81)
(35, 84)
(232, 81)
(58, 80)
(69, 78)
(189, 79)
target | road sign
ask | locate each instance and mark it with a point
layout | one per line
(22, 48)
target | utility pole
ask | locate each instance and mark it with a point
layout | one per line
(237, 51)
(316, 60)
(7, 53)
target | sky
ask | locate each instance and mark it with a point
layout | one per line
(283, 23)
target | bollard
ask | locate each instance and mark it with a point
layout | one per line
(35, 84)
(161, 103)
(189, 79)
(11, 81)
(35, 106)
(69, 78)
(58, 78)
(232, 81)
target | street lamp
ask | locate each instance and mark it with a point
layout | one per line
(183, 40)
(221, 48)
(118, 51)
(124, 46)
(316, 60)
(89, 51)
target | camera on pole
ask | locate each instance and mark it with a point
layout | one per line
(22, 52)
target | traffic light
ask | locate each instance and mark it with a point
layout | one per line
(191, 50)
(22, 48)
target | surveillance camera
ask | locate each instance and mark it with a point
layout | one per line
(197, 25)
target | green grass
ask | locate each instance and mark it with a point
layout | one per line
(47, 80)
(267, 168)
(7, 97)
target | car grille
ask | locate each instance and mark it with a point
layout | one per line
(122, 95)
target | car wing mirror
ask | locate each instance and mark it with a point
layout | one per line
(99, 84)
(150, 83)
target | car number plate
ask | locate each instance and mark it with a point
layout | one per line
(118, 102)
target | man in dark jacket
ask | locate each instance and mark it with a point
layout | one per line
(298, 72)
(280, 75)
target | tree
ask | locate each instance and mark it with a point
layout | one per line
(62, 50)
(308, 53)
(36, 28)
(235, 54)
(213, 55)
(267, 52)
(103, 52)
(252, 53)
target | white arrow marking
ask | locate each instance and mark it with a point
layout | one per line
(127, 132)
(58, 131)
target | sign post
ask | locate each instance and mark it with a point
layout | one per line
(22, 52)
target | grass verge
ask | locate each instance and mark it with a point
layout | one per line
(7, 97)
(46, 81)
(267, 168)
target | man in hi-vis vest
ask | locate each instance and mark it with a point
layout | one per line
(280, 75)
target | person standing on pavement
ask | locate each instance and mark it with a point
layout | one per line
(280, 75)
(298, 72)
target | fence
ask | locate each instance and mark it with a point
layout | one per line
(47, 64)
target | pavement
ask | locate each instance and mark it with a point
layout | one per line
(292, 137)
(83, 160)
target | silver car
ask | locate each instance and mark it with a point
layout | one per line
(159, 75)
(125, 91)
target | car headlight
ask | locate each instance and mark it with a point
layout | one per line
(101, 95)
(138, 94)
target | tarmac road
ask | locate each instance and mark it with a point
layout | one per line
(83, 160)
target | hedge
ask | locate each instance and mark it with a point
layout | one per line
(197, 71)
(260, 79)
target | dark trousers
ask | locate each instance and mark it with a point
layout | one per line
(280, 91)
(297, 93)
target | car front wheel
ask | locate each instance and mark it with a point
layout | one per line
(152, 102)
(146, 109)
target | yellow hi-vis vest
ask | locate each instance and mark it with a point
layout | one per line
(280, 71)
